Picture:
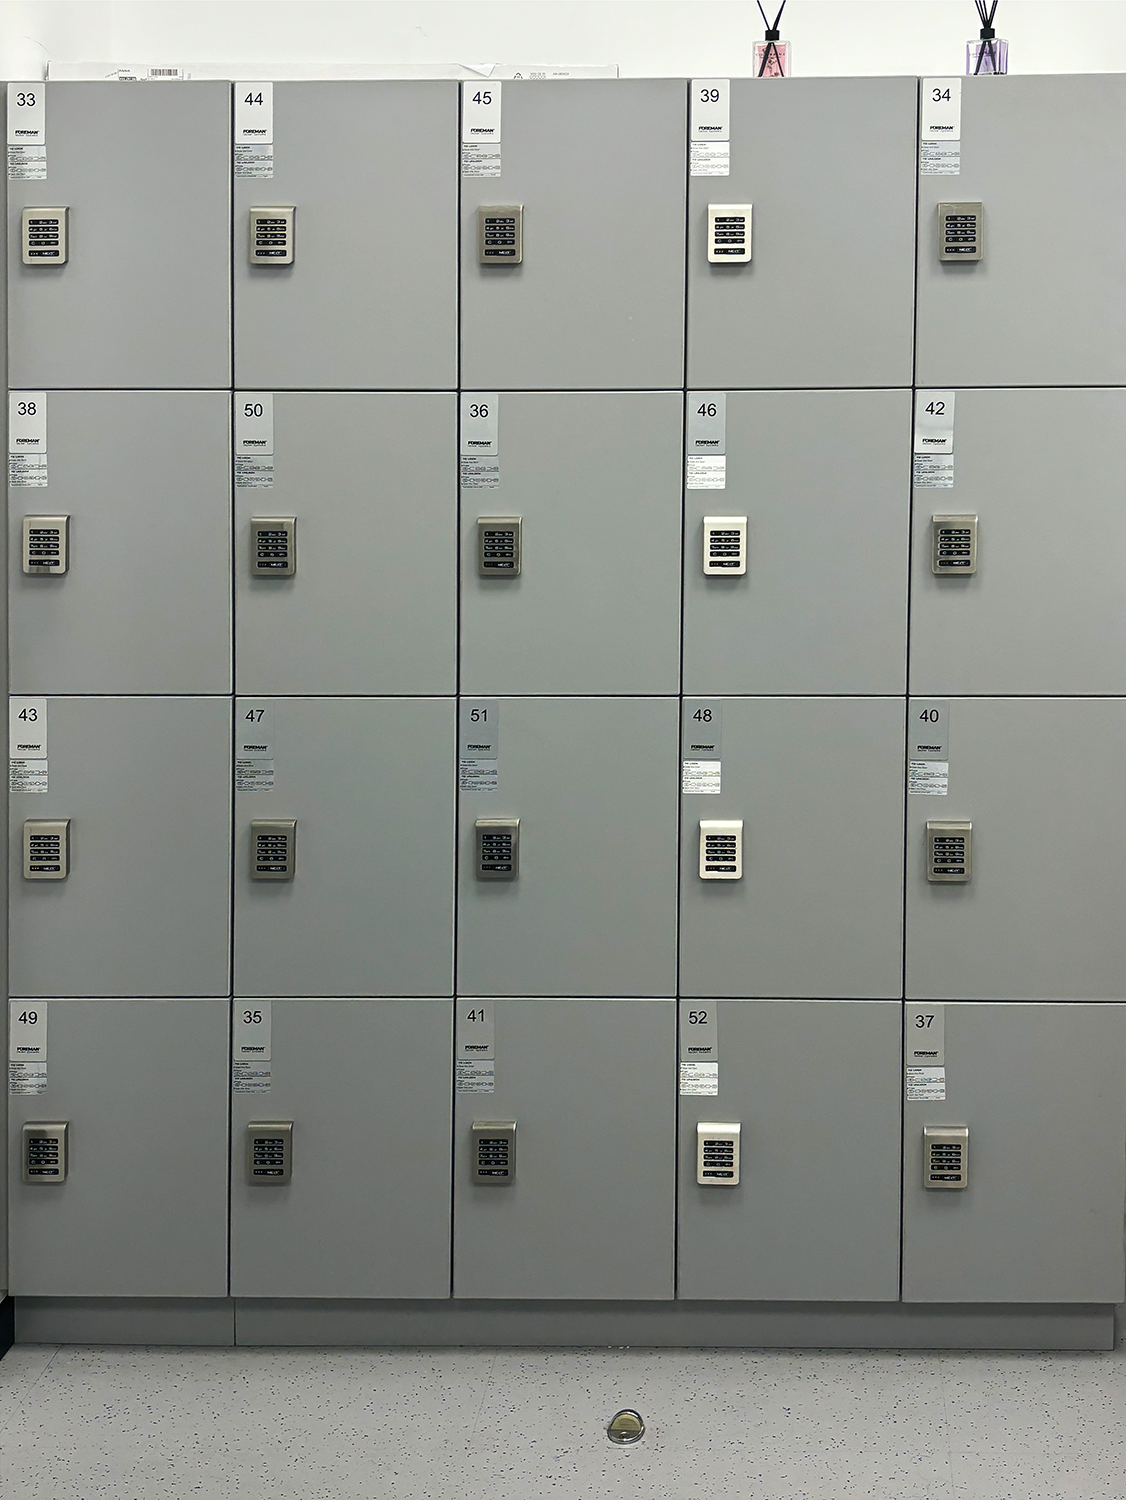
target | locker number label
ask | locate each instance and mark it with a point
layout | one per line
(480, 112)
(252, 1033)
(924, 1040)
(27, 1031)
(254, 424)
(475, 1031)
(480, 427)
(699, 1031)
(254, 114)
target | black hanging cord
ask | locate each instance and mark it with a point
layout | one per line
(773, 35)
(985, 12)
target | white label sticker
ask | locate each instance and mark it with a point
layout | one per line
(27, 114)
(255, 738)
(27, 775)
(699, 1078)
(251, 1077)
(480, 111)
(254, 473)
(27, 728)
(254, 775)
(925, 1083)
(254, 114)
(27, 422)
(480, 424)
(254, 423)
(27, 1078)
(709, 159)
(478, 775)
(707, 423)
(924, 1035)
(934, 440)
(928, 778)
(27, 1031)
(475, 1077)
(710, 111)
(930, 730)
(252, 1033)
(699, 1031)
(940, 127)
(475, 1031)
(702, 473)
(700, 778)
(480, 473)
(480, 160)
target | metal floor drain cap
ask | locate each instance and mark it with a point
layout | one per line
(625, 1427)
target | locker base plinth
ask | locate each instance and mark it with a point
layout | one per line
(264, 1322)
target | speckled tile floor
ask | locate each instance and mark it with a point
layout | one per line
(161, 1424)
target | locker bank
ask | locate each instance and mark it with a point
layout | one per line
(577, 796)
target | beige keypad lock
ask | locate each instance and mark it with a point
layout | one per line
(725, 546)
(953, 546)
(43, 1151)
(271, 235)
(273, 546)
(500, 234)
(494, 1152)
(46, 849)
(946, 1157)
(949, 851)
(273, 848)
(498, 546)
(269, 1152)
(46, 546)
(729, 233)
(721, 849)
(960, 231)
(44, 235)
(717, 1154)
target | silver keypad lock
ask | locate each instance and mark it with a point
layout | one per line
(273, 546)
(500, 234)
(46, 545)
(44, 236)
(717, 1154)
(949, 851)
(494, 1152)
(43, 1151)
(46, 848)
(946, 1157)
(271, 235)
(498, 546)
(273, 848)
(960, 231)
(269, 1152)
(496, 848)
(953, 546)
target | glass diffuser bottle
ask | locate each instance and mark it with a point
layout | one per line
(990, 52)
(772, 55)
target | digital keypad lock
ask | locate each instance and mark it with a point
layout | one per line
(960, 231)
(946, 1156)
(729, 233)
(46, 549)
(46, 849)
(496, 848)
(953, 546)
(43, 1151)
(949, 851)
(269, 1152)
(717, 1154)
(273, 848)
(500, 234)
(494, 1152)
(721, 849)
(271, 236)
(43, 233)
(725, 546)
(498, 546)
(273, 546)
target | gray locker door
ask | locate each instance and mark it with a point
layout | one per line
(145, 909)
(1041, 916)
(370, 300)
(818, 783)
(366, 1084)
(370, 907)
(822, 477)
(596, 479)
(1040, 1088)
(144, 299)
(1042, 614)
(372, 481)
(145, 606)
(142, 1085)
(593, 909)
(591, 1085)
(828, 165)
(814, 1084)
(598, 299)
(1039, 155)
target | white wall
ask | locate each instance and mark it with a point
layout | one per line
(645, 37)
